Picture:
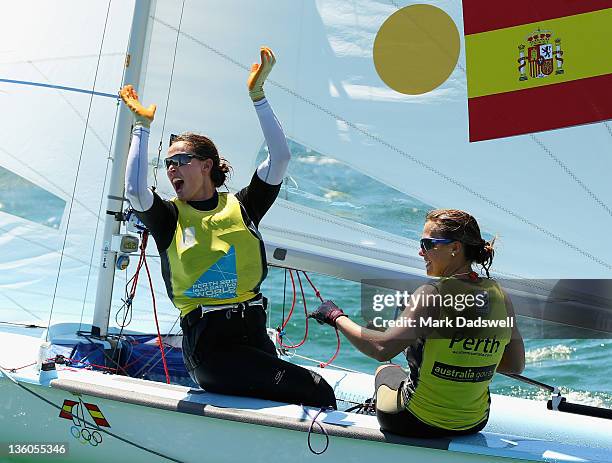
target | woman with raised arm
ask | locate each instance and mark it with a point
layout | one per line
(456, 331)
(212, 256)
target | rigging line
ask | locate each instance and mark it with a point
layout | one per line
(72, 106)
(102, 196)
(59, 87)
(169, 333)
(536, 140)
(284, 295)
(93, 425)
(59, 269)
(161, 138)
(318, 362)
(403, 153)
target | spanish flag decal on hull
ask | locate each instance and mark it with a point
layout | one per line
(537, 65)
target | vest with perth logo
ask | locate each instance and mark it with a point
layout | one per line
(214, 258)
(458, 360)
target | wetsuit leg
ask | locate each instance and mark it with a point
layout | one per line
(248, 371)
(234, 355)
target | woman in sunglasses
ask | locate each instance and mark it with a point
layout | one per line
(213, 258)
(455, 331)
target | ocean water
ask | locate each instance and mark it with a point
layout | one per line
(580, 367)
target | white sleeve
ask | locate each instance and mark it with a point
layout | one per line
(272, 170)
(136, 191)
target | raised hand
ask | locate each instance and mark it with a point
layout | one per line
(328, 312)
(259, 73)
(143, 116)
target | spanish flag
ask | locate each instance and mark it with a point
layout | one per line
(537, 65)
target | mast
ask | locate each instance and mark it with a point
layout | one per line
(106, 275)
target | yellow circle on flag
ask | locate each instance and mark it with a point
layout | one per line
(416, 49)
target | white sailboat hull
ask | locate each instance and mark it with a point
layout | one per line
(144, 420)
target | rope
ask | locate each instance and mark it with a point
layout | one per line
(159, 339)
(281, 331)
(323, 431)
(106, 356)
(350, 370)
(333, 357)
(161, 137)
(62, 360)
(13, 370)
(130, 295)
(141, 372)
(317, 292)
(59, 269)
(284, 293)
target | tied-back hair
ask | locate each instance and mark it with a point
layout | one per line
(461, 226)
(204, 148)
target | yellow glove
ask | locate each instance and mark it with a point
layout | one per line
(143, 116)
(259, 73)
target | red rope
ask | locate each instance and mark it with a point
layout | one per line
(159, 338)
(280, 339)
(329, 362)
(279, 336)
(317, 293)
(89, 364)
(13, 370)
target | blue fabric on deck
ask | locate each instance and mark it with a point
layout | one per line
(139, 356)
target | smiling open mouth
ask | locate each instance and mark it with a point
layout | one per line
(178, 184)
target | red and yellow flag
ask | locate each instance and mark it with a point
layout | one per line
(537, 65)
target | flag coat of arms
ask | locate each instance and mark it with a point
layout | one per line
(534, 66)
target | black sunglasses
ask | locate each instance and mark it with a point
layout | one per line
(180, 159)
(427, 244)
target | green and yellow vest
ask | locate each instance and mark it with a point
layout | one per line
(214, 258)
(458, 363)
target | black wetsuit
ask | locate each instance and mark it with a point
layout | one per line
(229, 351)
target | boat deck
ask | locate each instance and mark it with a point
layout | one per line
(518, 428)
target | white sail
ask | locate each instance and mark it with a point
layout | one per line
(330, 101)
(339, 117)
(47, 215)
(329, 98)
